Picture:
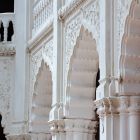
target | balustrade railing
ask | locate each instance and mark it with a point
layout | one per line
(7, 21)
(42, 11)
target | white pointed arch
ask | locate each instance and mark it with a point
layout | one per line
(41, 100)
(81, 81)
(130, 53)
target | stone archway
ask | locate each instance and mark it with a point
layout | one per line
(81, 87)
(130, 53)
(41, 103)
(129, 86)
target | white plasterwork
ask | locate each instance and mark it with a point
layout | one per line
(6, 89)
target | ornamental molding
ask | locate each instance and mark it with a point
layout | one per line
(118, 105)
(7, 49)
(73, 125)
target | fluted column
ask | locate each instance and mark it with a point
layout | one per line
(124, 120)
(108, 111)
(134, 118)
(77, 129)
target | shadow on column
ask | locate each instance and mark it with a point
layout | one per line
(1, 32)
(2, 135)
(97, 137)
(10, 31)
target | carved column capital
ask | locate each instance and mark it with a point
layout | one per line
(107, 106)
(56, 126)
(73, 125)
(80, 125)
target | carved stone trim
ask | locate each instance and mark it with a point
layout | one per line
(118, 105)
(73, 125)
(7, 49)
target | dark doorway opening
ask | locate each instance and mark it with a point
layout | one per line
(10, 31)
(1, 32)
(2, 135)
(97, 137)
(6, 6)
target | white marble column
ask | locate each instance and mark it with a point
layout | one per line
(108, 111)
(134, 118)
(124, 120)
(80, 129)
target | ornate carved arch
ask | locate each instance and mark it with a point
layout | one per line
(130, 53)
(81, 81)
(41, 100)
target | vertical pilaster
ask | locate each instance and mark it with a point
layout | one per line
(58, 73)
(105, 45)
(124, 119)
(108, 110)
(18, 124)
